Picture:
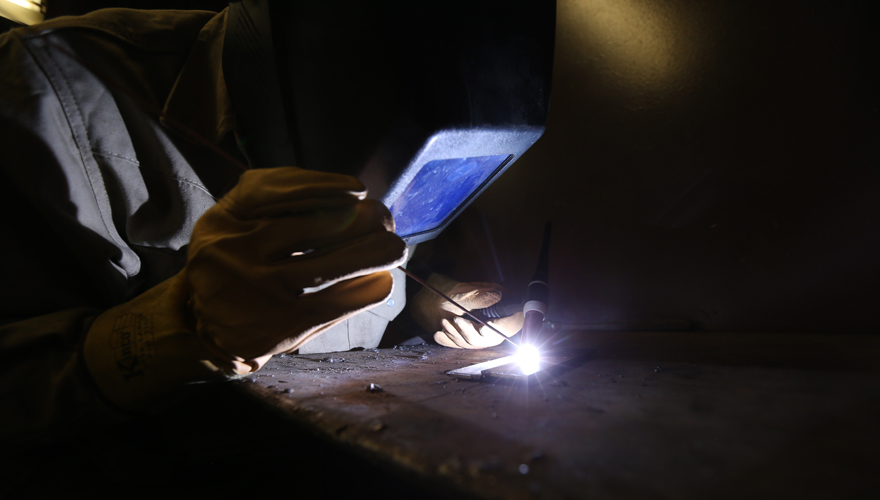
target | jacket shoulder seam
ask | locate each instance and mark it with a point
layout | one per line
(144, 39)
(72, 112)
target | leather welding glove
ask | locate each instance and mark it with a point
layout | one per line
(451, 326)
(281, 258)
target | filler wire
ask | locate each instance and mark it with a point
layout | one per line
(456, 304)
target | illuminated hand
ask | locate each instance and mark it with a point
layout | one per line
(286, 254)
(277, 261)
(451, 326)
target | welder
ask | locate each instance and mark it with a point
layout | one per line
(138, 259)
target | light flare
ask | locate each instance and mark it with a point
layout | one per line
(528, 358)
(22, 11)
(35, 6)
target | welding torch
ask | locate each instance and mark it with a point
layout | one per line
(538, 292)
(534, 309)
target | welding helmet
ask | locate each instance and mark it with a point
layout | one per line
(426, 102)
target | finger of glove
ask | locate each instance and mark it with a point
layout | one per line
(334, 303)
(278, 238)
(374, 252)
(476, 298)
(443, 339)
(348, 297)
(277, 191)
(453, 335)
(477, 339)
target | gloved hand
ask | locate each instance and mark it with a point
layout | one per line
(281, 258)
(451, 326)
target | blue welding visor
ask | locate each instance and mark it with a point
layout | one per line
(439, 188)
(426, 102)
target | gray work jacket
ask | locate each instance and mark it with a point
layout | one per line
(98, 195)
(109, 125)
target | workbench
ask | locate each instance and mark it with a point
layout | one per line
(641, 415)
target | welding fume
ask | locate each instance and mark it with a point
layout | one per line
(213, 189)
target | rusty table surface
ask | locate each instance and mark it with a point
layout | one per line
(645, 415)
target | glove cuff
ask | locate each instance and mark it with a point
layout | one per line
(144, 353)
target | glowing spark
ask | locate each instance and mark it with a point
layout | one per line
(528, 358)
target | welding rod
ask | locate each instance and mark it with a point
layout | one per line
(456, 304)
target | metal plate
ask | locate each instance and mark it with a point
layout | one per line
(475, 372)
(507, 368)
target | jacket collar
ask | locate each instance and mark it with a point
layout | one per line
(199, 101)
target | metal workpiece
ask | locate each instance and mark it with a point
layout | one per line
(644, 415)
(535, 364)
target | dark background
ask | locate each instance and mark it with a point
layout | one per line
(715, 162)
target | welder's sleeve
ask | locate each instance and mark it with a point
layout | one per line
(43, 382)
(48, 301)
(44, 385)
(47, 297)
(86, 221)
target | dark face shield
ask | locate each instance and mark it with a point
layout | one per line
(426, 102)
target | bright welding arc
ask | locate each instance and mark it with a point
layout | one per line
(528, 358)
